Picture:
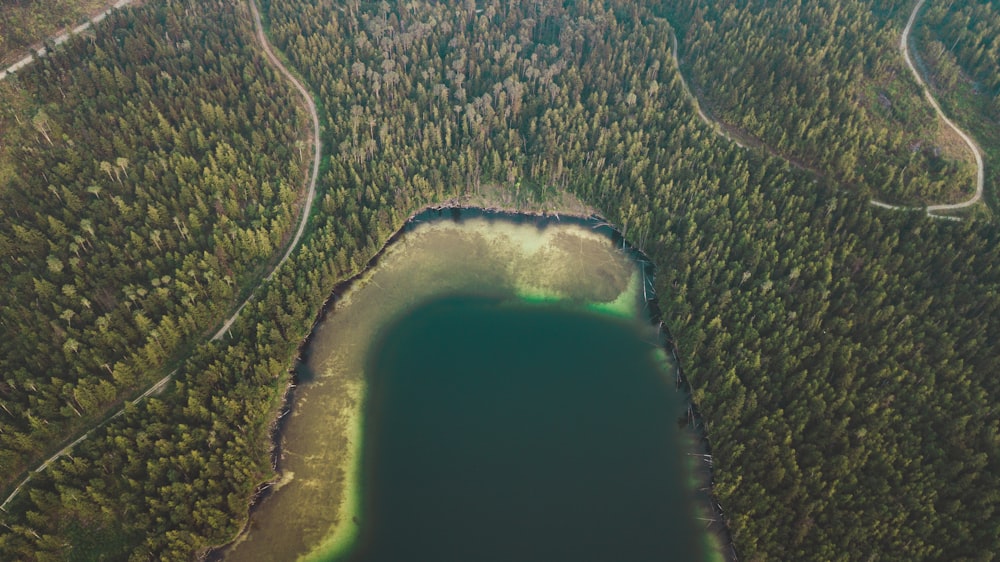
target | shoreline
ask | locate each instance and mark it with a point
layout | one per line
(703, 486)
(276, 426)
(461, 209)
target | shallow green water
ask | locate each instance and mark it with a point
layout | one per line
(499, 380)
(502, 431)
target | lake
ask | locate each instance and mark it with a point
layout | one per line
(492, 389)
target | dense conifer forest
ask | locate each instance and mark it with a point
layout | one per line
(823, 83)
(142, 189)
(966, 34)
(843, 356)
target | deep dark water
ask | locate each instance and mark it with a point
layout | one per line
(520, 432)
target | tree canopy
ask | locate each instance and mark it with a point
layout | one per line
(142, 191)
(842, 356)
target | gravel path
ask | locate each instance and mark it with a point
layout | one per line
(904, 46)
(310, 196)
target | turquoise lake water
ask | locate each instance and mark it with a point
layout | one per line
(500, 431)
(490, 389)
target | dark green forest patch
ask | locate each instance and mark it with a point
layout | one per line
(843, 357)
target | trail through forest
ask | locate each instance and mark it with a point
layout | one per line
(45, 464)
(904, 46)
(62, 38)
(307, 206)
(728, 132)
(317, 151)
(714, 125)
(723, 131)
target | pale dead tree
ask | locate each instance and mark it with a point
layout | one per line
(41, 123)
(123, 164)
(106, 168)
(75, 409)
(358, 69)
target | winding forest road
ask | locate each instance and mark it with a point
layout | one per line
(731, 133)
(307, 206)
(904, 46)
(713, 124)
(317, 156)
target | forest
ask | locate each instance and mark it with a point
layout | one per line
(824, 84)
(959, 48)
(138, 198)
(25, 23)
(841, 355)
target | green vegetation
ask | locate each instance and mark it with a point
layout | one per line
(973, 47)
(823, 83)
(141, 191)
(24, 23)
(959, 46)
(843, 357)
